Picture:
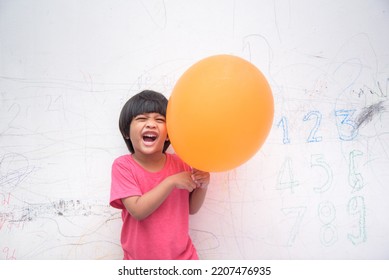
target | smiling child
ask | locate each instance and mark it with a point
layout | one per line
(155, 190)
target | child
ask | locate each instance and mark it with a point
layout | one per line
(155, 190)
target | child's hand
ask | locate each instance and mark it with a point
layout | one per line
(201, 178)
(184, 181)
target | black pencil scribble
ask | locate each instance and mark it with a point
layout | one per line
(368, 113)
(61, 208)
(381, 90)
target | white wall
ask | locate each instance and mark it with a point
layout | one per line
(318, 188)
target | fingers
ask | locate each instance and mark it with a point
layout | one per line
(184, 181)
(201, 178)
(190, 181)
(190, 184)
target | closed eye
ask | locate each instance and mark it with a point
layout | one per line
(140, 118)
(143, 118)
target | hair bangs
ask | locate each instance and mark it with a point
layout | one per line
(147, 105)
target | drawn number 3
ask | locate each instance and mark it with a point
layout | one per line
(347, 128)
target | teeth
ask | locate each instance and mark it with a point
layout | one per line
(149, 137)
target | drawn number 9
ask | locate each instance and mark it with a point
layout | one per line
(356, 206)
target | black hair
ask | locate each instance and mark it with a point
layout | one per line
(147, 101)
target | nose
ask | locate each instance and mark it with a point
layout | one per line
(150, 123)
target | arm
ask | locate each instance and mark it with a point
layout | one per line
(141, 207)
(197, 197)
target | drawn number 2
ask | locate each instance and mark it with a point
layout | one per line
(312, 136)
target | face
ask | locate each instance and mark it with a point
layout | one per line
(148, 133)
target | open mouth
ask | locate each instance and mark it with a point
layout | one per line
(149, 138)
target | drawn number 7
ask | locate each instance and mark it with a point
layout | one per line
(299, 212)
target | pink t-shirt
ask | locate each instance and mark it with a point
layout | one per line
(165, 233)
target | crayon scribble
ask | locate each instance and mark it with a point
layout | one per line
(368, 113)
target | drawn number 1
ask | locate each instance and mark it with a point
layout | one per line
(284, 124)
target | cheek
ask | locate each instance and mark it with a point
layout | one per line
(133, 132)
(163, 130)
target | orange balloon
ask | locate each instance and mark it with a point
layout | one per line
(219, 113)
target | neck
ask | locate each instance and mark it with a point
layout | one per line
(152, 163)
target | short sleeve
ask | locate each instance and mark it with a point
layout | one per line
(123, 183)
